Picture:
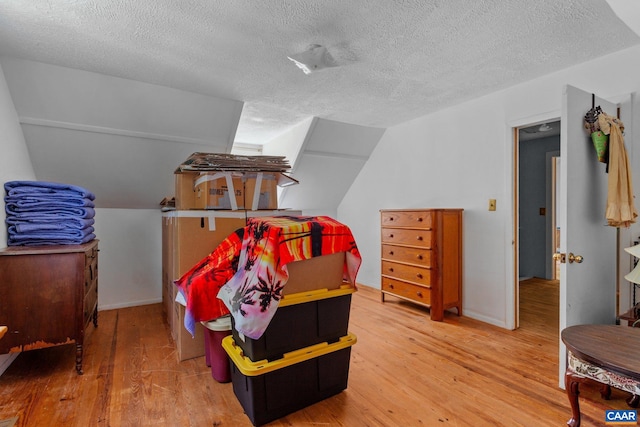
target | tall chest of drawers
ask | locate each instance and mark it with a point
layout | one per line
(421, 257)
(49, 295)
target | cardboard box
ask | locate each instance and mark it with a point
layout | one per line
(229, 190)
(187, 346)
(301, 320)
(236, 190)
(166, 295)
(188, 237)
(268, 391)
(322, 272)
(195, 237)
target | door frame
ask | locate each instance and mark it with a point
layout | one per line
(513, 276)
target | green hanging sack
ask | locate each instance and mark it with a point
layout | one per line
(600, 142)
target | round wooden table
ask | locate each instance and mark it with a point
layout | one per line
(609, 354)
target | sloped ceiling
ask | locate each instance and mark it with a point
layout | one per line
(119, 138)
(121, 92)
(398, 60)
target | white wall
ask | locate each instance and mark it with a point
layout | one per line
(130, 258)
(14, 161)
(460, 158)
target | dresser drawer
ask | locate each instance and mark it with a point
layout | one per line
(407, 272)
(418, 256)
(416, 219)
(407, 290)
(407, 237)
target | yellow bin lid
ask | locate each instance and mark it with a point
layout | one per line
(250, 368)
(315, 295)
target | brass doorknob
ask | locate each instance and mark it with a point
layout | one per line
(558, 256)
(576, 258)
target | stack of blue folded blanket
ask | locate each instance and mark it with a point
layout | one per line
(48, 213)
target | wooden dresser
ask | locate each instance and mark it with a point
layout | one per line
(49, 296)
(422, 257)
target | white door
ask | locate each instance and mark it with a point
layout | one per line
(587, 289)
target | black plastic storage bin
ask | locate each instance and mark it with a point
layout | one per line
(271, 390)
(301, 320)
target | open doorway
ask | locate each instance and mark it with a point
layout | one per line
(538, 293)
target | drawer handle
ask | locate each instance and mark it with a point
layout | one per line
(419, 294)
(390, 252)
(391, 269)
(420, 219)
(419, 275)
(391, 286)
(420, 257)
(391, 236)
(420, 238)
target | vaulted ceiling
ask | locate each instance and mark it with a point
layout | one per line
(396, 61)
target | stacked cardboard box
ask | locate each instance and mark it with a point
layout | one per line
(214, 195)
(189, 236)
(224, 181)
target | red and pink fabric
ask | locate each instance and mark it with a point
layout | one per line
(246, 274)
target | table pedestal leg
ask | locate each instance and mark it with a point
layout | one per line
(571, 384)
(605, 391)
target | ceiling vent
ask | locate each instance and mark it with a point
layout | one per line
(315, 58)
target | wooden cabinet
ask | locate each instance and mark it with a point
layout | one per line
(49, 295)
(421, 257)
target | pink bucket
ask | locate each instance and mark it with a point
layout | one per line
(215, 356)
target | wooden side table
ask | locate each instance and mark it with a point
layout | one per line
(608, 354)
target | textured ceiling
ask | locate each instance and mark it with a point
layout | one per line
(398, 59)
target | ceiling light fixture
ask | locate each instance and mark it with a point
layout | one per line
(315, 58)
(544, 128)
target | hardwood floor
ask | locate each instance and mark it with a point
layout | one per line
(405, 371)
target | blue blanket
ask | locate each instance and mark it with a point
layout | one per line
(28, 225)
(66, 224)
(48, 213)
(53, 213)
(26, 204)
(14, 188)
(49, 237)
(61, 233)
(49, 240)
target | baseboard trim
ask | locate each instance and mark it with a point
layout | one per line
(128, 304)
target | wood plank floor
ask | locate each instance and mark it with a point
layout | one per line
(405, 371)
